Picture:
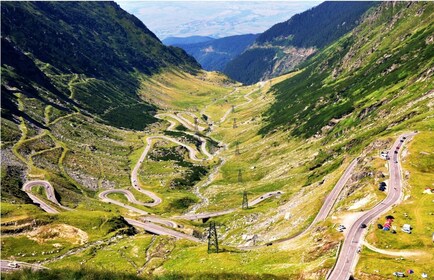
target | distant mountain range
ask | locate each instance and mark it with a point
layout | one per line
(285, 45)
(175, 41)
(253, 57)
(214, 54)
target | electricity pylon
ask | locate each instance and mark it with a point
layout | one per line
(213, 243)
(196, 125)
(245, 204)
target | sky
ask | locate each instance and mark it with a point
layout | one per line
(212, 18)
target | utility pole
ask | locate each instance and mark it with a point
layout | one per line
(233, 108)
(235, 123)
(213, 243)
(196, 127)
(237, 148)
(240, 178)
(245, 204)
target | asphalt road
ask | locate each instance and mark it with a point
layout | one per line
(184, 122)
(248, 100)
(201, 139)
(331, 198)
(348, 256)
(4, 266)
(104, 197)
(131, 198)
(49, 191)
(156, 229)
(224, 212)
(134, 180)
(325, 209)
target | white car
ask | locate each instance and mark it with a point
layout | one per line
(399, 274)
(341, 228)
(13, 265)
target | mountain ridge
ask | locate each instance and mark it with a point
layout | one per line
(285, 45)
(213, 55)
(56, 47)
(175, 41)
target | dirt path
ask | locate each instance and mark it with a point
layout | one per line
(395, 253)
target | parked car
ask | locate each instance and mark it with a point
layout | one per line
(399, 274)
(13, 265)
(340, 228)
(363, 226)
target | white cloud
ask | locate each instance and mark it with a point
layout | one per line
(213, 18)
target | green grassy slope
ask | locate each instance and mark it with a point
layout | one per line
(416, 210)
(359, 82)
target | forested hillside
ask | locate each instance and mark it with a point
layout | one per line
(285, 45)
(48, 45)
(356, 82)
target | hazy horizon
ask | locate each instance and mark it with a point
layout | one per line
(215, 19)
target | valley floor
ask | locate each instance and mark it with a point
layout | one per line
(215, 149)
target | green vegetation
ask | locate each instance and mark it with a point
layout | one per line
(223, 50)
(255, 59)
(356, 84)
(296, 133)
(107, 87)
(416, 210)
(285, 45)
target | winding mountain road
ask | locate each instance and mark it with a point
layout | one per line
(345, 260)
(348, 256)
(134, 179)
(331, 198)
(103, 196)
(49, 192)
(172, 126)
(248, 100)
(183, 121)
(11, 266)
(224, 212)
(156, 229)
